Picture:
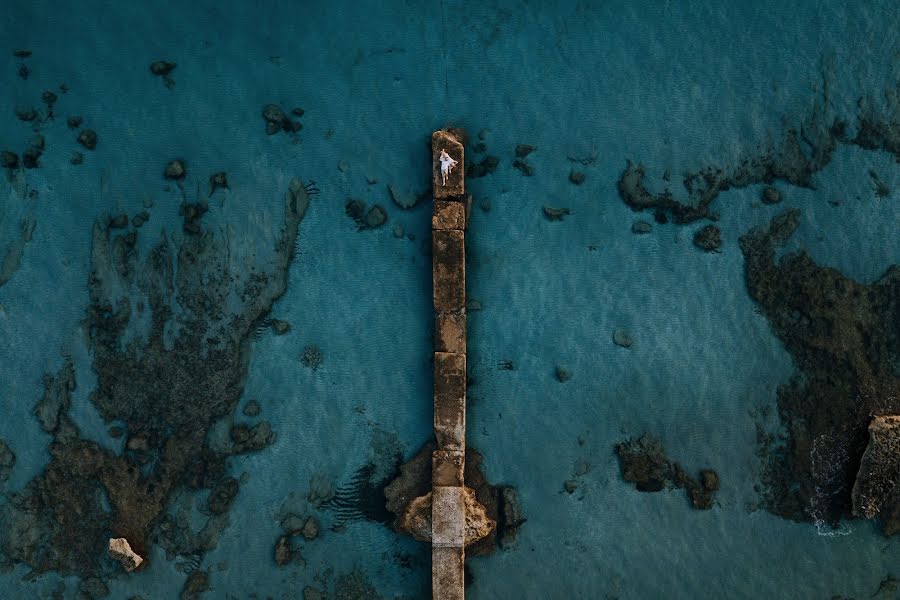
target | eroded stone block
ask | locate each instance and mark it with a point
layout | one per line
(448, 214)
(448, 254)
(447, 467)
(450, 332)
(448, 516)
(450, 400)
(447, 574)
(455, 186)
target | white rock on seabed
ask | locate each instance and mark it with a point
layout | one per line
(120, 550)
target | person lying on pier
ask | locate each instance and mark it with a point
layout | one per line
(447, 165)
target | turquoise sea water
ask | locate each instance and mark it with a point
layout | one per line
(674, 85)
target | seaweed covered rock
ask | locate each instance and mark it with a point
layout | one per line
(175, 169)
(88, 139)
(844, 338)
(708, 238)
(645, 464)
(9, 160)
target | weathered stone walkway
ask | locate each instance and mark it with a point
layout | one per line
(448, 506)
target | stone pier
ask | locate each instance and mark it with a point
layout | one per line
(448, 495)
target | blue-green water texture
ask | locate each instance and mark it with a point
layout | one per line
(673, 85)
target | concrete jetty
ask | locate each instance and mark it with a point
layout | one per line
(448, 497)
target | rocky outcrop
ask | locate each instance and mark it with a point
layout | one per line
(879, 469)
(416, 518)
(645, 464)
(501, 503)
(120, 550)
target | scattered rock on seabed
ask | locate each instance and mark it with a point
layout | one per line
(709, 238)
(283, 552)
(175, 169)
(641, 227)
(556, 214)
(622, 338)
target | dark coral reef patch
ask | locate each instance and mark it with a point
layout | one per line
(844, 337)
(166, 389)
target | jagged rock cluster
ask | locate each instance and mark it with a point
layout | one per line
(501, 503)
(844, 338)
(645, 464)
(166, 386)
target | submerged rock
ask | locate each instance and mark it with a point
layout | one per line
(404, 199)
(283, 552)
(310, 529)
(486, 166)
(162, 68)
(25, 112)
(88, 138)
(221, 496)
(708, 238)
(74, 122)
(119, 221)
(563, 374)
(523, 150)
(645, 464)
(218, 181)
(276, 120)
(376, 217)
(251, 439)
(311, 357)
(771, 195)
(523, 167)
(576, 177)
(175, 169)
(8, 160)
(120, 550)
(197, 583)
(139, 219)
(555, 214)
(641, 227)
(621, 338)
(252, 409)
(280, 327)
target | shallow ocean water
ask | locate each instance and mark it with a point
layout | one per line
(673, 85)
